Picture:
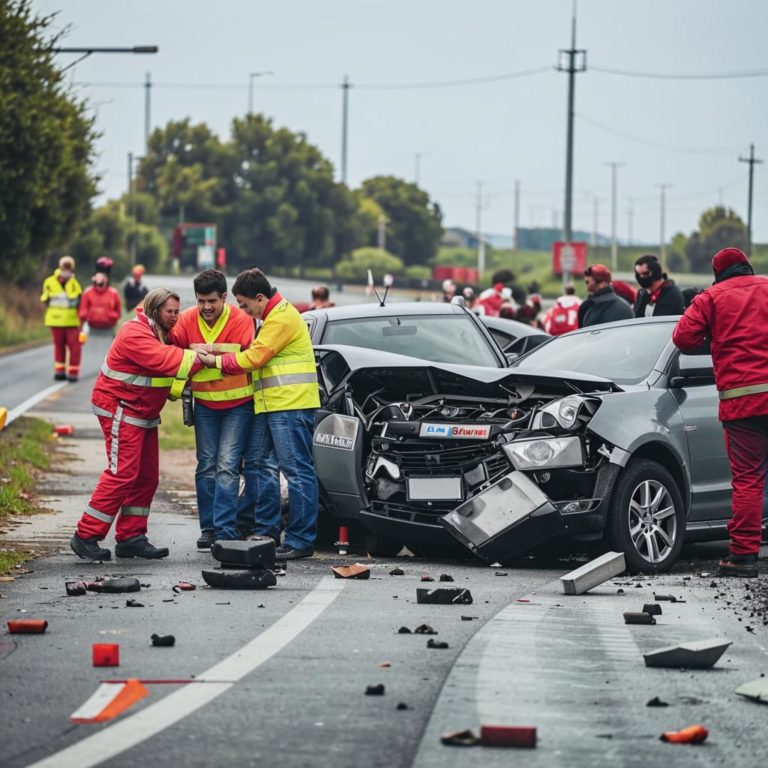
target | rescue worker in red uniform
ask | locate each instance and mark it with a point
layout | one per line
(732, 315)
(139, 373)
(100, 307)
(61, 294)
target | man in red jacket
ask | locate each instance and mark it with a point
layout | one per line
(733, 314)
(139, 373)
(100, 306)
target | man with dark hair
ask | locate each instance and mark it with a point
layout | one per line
(223, 404)
(285, 398)
(658, 295)
(602, 305)
(321, 298)
(731, 315)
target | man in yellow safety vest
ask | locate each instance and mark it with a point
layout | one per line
(61, 294)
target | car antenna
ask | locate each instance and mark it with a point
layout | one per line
(381, 299)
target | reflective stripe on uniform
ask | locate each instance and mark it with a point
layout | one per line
(115, 440)
(135, 511)
(223, 395)
(284, 379)
(180, 380)
(103, 516)
(133, 420)
(136, 379)
(750, 389)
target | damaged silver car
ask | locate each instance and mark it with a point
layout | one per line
(607, 434)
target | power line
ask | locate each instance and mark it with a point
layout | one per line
(668, 76)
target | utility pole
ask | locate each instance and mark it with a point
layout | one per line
(517, 215)
(417, 169)
(662, 234)
(132, 242)
(479, 230)
(630, 217)
(614, 243)
(752, 160)
(572, 60)
(147, 108)
(251, 77)
(345, 86)
(595, 219)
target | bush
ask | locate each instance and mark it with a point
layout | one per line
(379, 261)
(418, 273)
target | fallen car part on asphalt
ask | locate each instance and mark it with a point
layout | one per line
(424, 629)
(375, 690)
(397, 572)
(107, 586)
(105, 654)
(356, 571)
(465, 738)
(757, 690)
(436, 644)
(27, 626)
(593, 573)
(224, 578)
(656, 702)
(109, 701)
(638, 618)
(183, 586)
(444, 596)
(404, 631)
(445, 577)
(694, 734)
(75, 588)
(163, 641)
(653, 608)
(666, 599)
(507, 736)
(697, 655)
(258, 552)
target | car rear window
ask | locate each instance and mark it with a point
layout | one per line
(439, 338)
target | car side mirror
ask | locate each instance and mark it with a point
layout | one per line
(693, 370)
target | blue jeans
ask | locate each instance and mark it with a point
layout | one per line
(282, 441)
(221, 435)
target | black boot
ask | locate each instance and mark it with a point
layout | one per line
(139, 546)
(60, 376)
(744, 566)
(206, 540)
(89, 549)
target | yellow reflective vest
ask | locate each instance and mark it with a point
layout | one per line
(287, 381)
(62, 301)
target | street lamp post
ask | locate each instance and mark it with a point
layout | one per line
(251, 77)
(614, 243)
(86, 51)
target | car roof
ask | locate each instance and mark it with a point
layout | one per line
(515, 327)
(394, 309)
(664, 319)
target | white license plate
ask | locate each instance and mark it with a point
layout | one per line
(434, 489)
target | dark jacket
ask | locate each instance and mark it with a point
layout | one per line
(669, 302)
(603, 306)
(134, 293)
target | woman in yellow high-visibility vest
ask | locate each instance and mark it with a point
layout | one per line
(61, 294)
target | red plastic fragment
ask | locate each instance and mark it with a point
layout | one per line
(507, 736)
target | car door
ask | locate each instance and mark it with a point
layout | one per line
(696, 396)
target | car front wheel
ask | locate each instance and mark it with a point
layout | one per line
(646, 518)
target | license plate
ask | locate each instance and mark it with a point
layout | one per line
(434, 489)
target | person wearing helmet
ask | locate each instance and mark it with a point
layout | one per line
(134, 289)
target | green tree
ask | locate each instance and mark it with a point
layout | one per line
(414, 226)
(46, 146)
(718, 228)
(380, 262)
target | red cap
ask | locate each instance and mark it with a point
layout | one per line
(600, 272)
(498, 287)
(727, 258)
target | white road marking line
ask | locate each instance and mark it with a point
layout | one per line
(151, 720)
(31, 402)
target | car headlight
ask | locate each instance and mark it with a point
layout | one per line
(563, 413)
(545, 453)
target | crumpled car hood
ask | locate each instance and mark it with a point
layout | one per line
(400, 374)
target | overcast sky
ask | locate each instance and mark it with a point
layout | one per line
(688, 133)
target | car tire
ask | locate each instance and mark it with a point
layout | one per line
(646, 517)
(381, 546)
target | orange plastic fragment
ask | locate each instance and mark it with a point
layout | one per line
(356, 571)
(694, 734)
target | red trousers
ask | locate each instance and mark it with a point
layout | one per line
(746, 441)
(126, 488)
(67, 339)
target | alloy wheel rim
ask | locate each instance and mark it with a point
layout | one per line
(652, 521)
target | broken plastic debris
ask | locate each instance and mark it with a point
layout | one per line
(163, 641)
(258, 552)
(403, 631)
(356, 571)
(694, 734)
(384, 665)
(254, 578)
(184, 586)
(698, 655)
(133, 604)
(27, 626)
(465, 738)
(445, 577)
(653, 608)
(501, 573)
(593, 573)
(112, 586)
(638, 618)
(401, 706)
(75, 588)
(444, 596)
(375, 690)
(105, 654)
(656, 702)
(436, 644)
(667, 599)
(757, 690)
(469, 618)
(426, 577)
(507, 736)
(424, 629)
(397, 572)
(109, 701)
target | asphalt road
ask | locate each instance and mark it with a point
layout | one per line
(280, 675)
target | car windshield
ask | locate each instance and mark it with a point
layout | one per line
(439, 338)
(624, 354)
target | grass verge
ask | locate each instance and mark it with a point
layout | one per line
(10, 558)
(21, 317)
(173, 434)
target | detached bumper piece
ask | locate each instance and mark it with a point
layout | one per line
(505, 520)
(244, 564)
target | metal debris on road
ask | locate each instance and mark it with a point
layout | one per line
(445, 577)
(757, 690)
(133, 604)
(697, 655)
(667, 599)
(653, 608)
(27, 626)
(694, 734)
(424, 629)
(639, 617)
(507, 736)
(501, 573)
(375, 690)
(656, 702)
(465, 738)
(444, 596)
(593, 573)
(221, 578)
(163, 641)
(469, 618)
(397, 572)
(356, 571)
(436, 644)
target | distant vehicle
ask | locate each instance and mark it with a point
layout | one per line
(513, 337)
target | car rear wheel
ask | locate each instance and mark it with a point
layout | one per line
(646, 517)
